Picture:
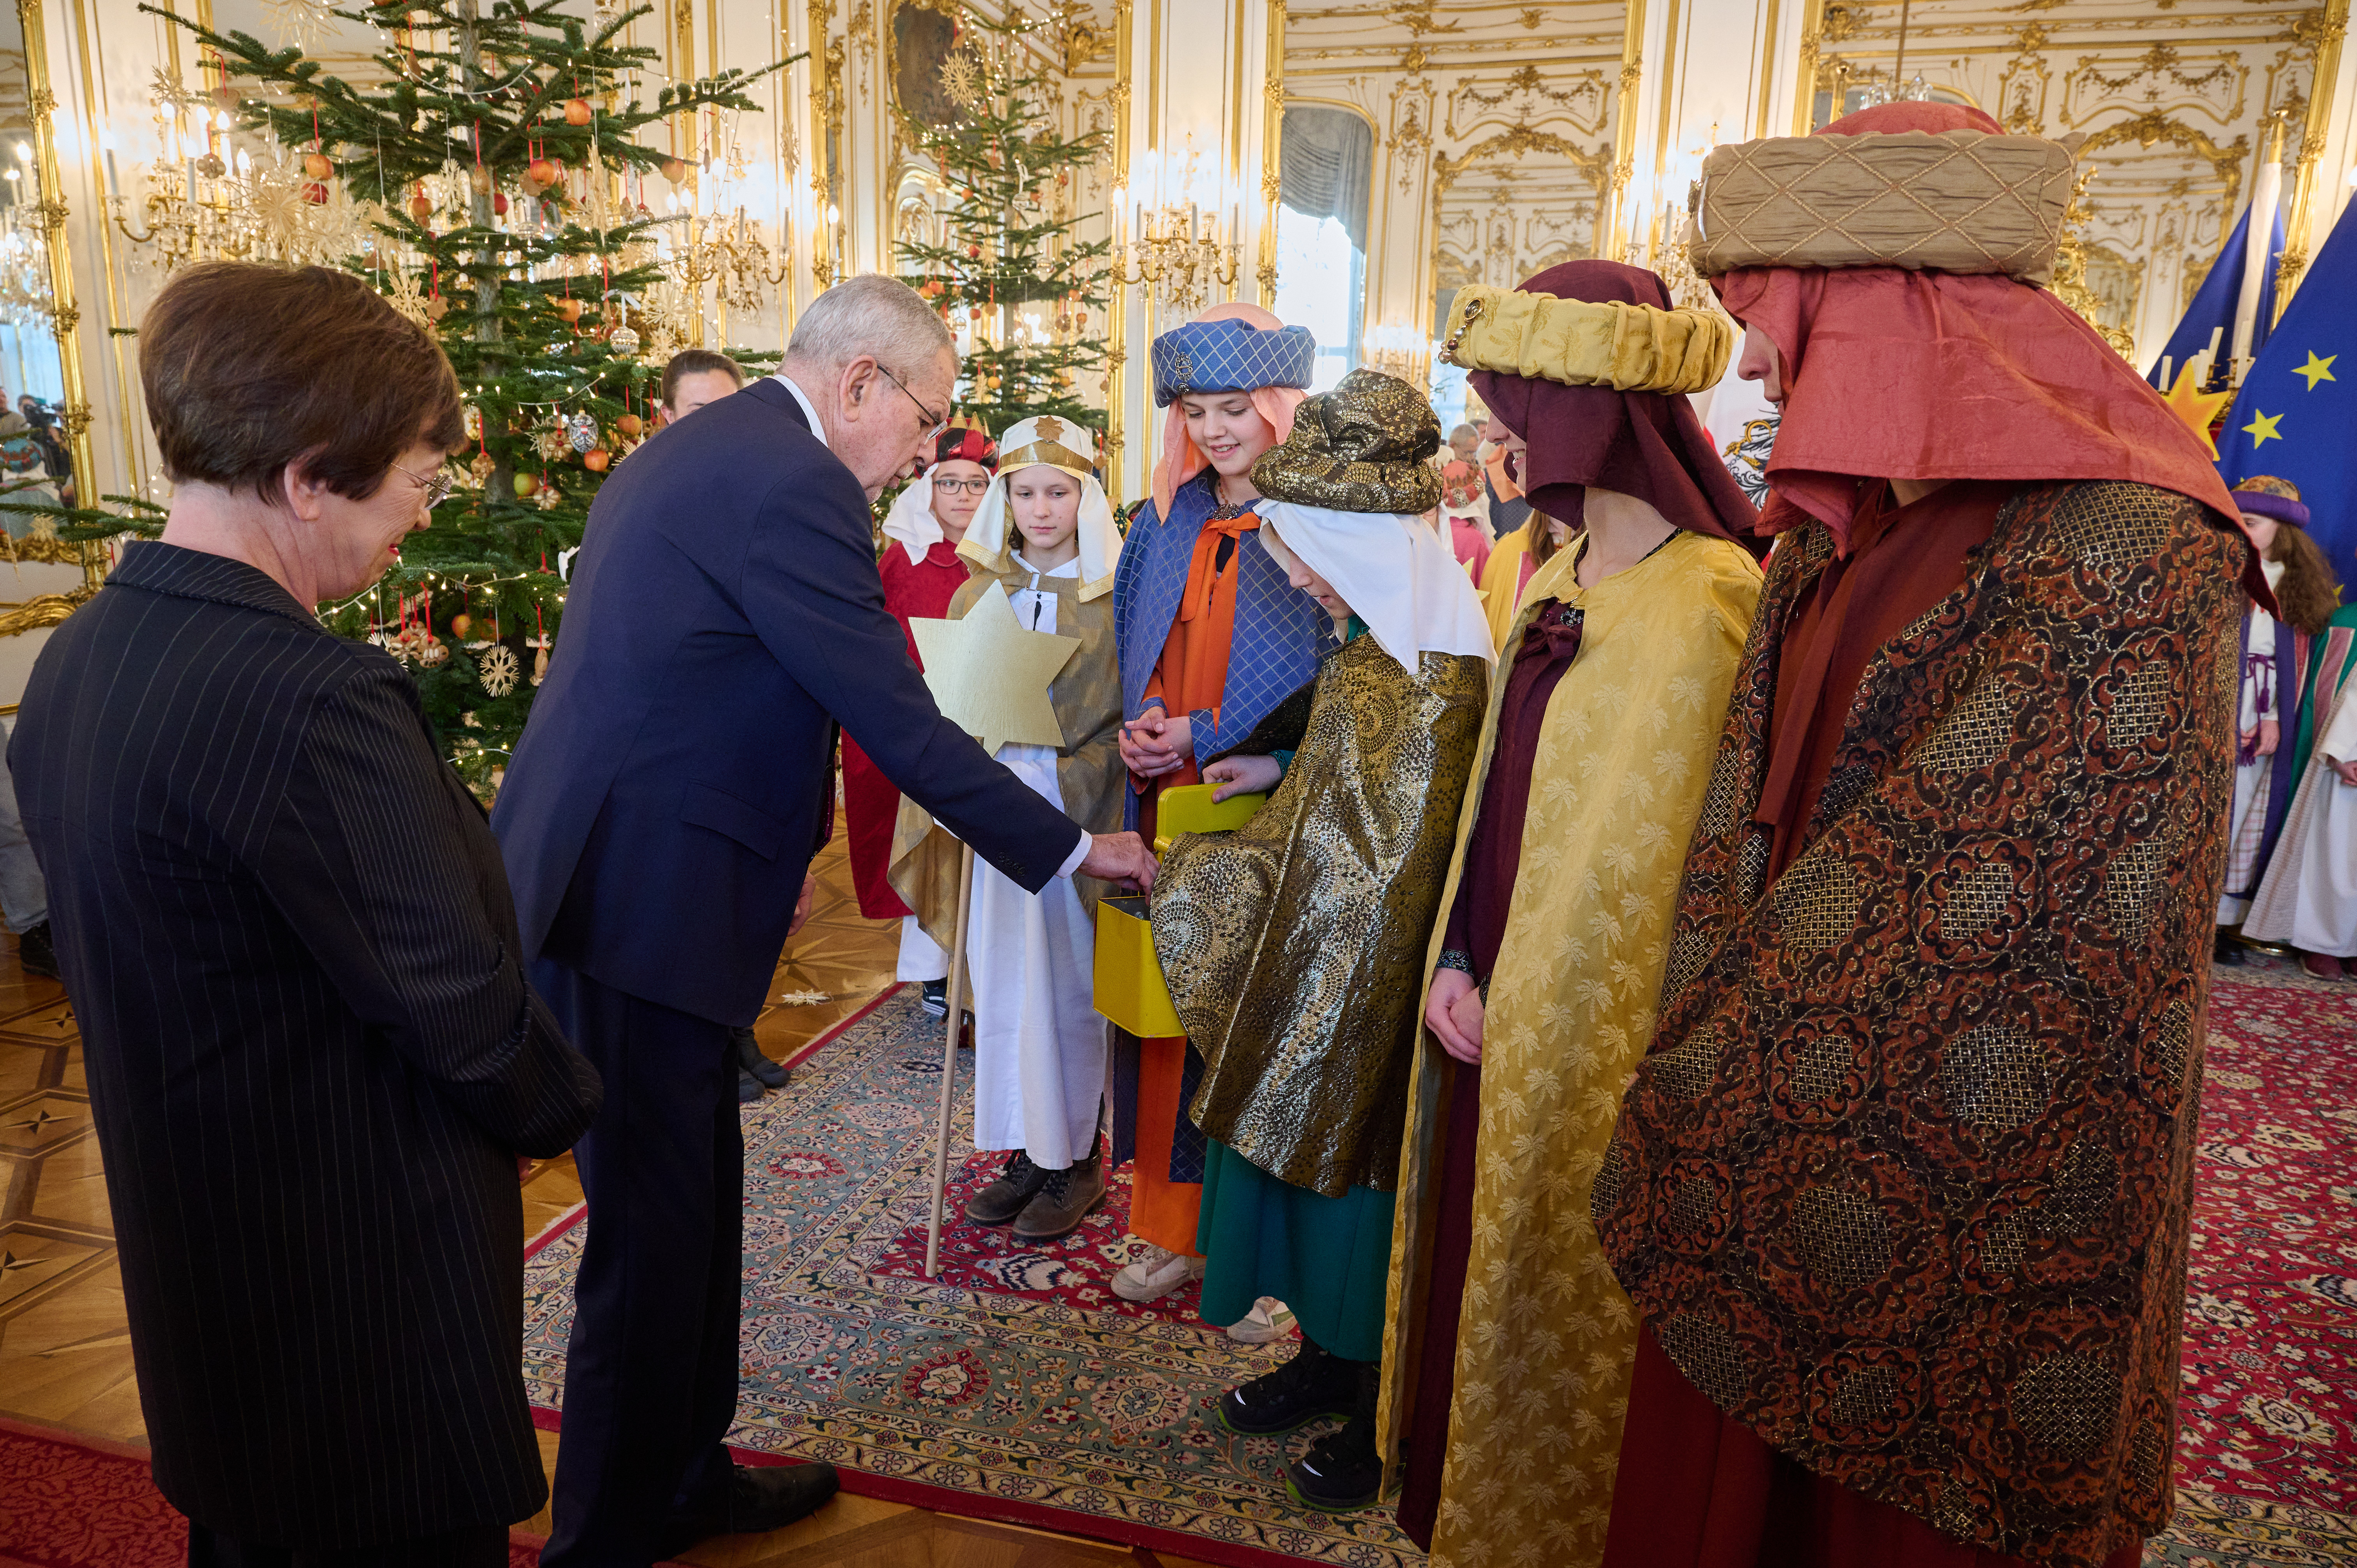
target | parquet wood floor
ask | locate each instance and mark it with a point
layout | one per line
(65, 1354)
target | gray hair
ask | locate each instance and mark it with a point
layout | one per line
(871, 314)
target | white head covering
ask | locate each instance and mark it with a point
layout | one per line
(1052, 443)
(912, 518)
(1395, 574)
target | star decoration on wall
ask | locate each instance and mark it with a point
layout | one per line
(2317, 369)
(990, 677)
(2262, 428)
(2199, 408)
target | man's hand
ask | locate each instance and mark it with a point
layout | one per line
(2270, 736)
(1447, 1007)
(1121, 857)
(801, 907)
(1243, 776)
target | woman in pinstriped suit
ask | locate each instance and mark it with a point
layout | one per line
(313, 1055)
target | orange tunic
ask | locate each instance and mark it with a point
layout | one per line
(1190, 676)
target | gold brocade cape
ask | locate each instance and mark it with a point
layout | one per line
(1291, 945)
(1547, 1337)
(1086, 695)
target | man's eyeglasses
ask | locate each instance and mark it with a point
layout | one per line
(934, 422)
(437, 489)
(961, 487)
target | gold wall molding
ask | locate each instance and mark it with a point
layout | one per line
(48, 611)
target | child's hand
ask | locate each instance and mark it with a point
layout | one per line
(1243, 776)
(1153, 744)
(1453, 1003)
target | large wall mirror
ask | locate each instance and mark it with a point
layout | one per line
(43, 418)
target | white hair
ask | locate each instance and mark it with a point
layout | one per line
(876, 314)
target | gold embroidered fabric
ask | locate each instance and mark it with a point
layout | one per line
(1089, 772)
(1293, 947)
(1958, 202)
(1586, 343)
(1367, 445)
(1547, 1337)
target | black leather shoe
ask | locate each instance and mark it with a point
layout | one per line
(34, 953)
(2228, 952)
(748, 1088)
(1310, 1385)
(1020, 1181)
(761, 1498)
(753, 1059)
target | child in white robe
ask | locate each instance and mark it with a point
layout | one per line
(1044, 537)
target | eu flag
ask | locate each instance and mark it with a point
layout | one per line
(2213, 309)
(2297, 413)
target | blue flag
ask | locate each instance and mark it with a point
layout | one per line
(2213, 308)
(2295, 416)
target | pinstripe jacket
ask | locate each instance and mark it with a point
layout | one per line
(1279, 629)
(312, 1056)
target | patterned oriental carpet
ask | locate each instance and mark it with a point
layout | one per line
(1016, 1387)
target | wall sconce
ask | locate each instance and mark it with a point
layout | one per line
(1398, 350)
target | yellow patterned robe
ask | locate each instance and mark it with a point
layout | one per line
(1547, 1337)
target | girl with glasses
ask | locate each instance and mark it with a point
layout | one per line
(922, 573)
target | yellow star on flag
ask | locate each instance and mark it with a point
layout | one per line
(2262, 428)
(2317, 369)
(990, 677)
(2199, 408)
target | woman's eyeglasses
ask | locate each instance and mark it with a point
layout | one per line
(961, 487)
(437, 489)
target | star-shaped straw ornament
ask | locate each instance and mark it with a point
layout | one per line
(990, 677)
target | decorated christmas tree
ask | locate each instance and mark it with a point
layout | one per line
(1013, 268)
(499, 184)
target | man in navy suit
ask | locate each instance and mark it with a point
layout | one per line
(658, 821)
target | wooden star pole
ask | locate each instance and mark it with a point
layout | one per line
(991, 679)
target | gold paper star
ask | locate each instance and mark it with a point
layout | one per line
(990, 677)
(2199, 408)
(2317, 369)
(2262, 428)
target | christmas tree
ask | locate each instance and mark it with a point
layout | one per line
(502, 185)
(1014, 269)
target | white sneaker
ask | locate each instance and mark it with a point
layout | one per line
(1269, 1321)
(1156, 1275)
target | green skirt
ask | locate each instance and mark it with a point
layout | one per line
(1328, 1259)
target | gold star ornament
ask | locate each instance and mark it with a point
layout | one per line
(2199, 408)
(990, 677)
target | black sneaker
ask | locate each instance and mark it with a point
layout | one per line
(1020, 1181)
(1340, 1472)
(936, 999)
(35, 954)
(1310, 1385)
(1067, 1198)
(753, 1059)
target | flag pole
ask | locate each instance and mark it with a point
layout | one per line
(2258, 241)
(956, 988)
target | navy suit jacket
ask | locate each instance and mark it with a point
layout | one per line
(677, 773)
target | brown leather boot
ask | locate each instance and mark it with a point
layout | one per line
(1068, 1198)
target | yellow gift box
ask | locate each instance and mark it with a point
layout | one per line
(1129, 988)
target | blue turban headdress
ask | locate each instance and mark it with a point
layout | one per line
(1230, 356)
